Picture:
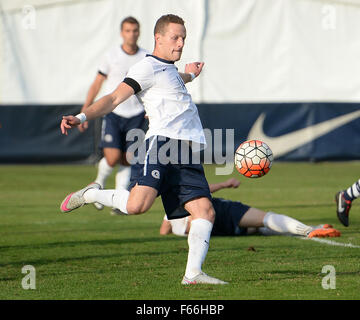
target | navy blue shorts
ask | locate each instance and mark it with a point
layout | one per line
(177, 181)
(227, 217)
(115, 128)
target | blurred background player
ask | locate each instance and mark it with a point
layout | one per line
(128, 115)
(344, 200)
(232, 218)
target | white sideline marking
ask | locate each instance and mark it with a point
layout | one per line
(333, 243)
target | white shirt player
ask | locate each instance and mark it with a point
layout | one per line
(115, 66)
(167, 102)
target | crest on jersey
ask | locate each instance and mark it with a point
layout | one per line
(155, 174)
(108, 138)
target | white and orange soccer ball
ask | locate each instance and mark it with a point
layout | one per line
(253, 158)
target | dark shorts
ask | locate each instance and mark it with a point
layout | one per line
(115, 128)
(176, 183)
(227, 217)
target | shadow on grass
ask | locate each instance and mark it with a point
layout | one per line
(126, 253)
(92, 242)
(103, 242)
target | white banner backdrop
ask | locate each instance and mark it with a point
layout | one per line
(254, 50)
(51, 51)
(282, 50)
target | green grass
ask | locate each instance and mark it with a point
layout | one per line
(92, 255)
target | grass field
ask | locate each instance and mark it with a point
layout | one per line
(92, 255)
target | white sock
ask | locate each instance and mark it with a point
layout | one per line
(120, 199)
(353, 192)
(268, 232)
(109, 198)
(198, 241)
(105, 197)
(104, 170)
(284, 224)
(122, 178)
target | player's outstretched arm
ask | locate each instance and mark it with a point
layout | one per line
(230, 183)
(98, 109)
(191, 68)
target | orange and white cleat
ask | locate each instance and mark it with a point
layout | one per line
(324, 232)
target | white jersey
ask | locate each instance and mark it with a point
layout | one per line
(115, 66)
(167, 102)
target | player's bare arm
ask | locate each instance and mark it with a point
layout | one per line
(91, 95)
(100, 108)
(191, 68)
(230, 183)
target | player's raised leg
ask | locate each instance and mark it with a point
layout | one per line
(203, 216)
(136, 201)
(344, 201)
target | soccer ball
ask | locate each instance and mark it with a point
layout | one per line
(253, 158)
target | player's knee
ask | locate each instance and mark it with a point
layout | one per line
(208, 213)
(140, 199)
(136, 208)
(211, 214)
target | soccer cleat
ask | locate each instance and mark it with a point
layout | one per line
(202, 278)
(117, 212)
(323, 233)
(98, 205)
(76, 199)
(342, 208)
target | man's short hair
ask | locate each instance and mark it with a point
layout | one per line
(131, 20)
(164, 20)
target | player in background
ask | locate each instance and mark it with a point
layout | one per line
(126, 116)
(344, 200)
(232, 218)
(173, 119)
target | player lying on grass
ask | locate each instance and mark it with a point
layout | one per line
(232, 218)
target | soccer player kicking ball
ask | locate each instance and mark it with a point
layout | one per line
(232, 218)
(344, 200)
(173, 119)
